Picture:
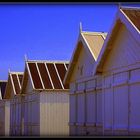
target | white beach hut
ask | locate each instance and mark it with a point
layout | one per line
(85, 89)
(4, 111)
(119, 64)
(12, 93)
(45, 98)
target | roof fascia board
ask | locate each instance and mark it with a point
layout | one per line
(30, 75)
(48, 61)
(41, 90)
(3, 80)
(49, 75)
(65, 67)
(58, 76)
(12, 83)
(86, 45)
(16, 72)
(129, 7)
(22, 81)
(39, 75)
(18, 81)
(71, 60)
(7, 85)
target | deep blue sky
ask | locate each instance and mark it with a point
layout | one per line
(47, 32)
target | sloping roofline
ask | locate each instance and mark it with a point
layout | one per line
(81, 39)
(10, 80)
(121, 18)
(27, 70)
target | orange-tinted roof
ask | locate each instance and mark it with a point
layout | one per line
(95, 41)
(91, 41)
(47, 74)
(134, 15)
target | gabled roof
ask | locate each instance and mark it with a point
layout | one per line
(128, 16)
(45, 75)
(14, 83)
(92, 42)
(2, 88)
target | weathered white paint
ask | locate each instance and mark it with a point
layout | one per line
(85, 61)
(72, 109)
(46, 113)
(125, 51)
(134, 122)
(29, 87)
(72, 87)
(4, 117)
(32, 114)
(120, 107)
(54, 114)
(107, 104)
(15, 116)
(81, 108)
(121, 93)
(7, 117)
(91, 107)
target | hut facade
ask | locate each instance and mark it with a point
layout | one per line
(12, 93)
(85, 89)
(45, 99)
(4, 111)
(119, 65)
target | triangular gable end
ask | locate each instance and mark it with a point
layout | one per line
(124, 30)
(27, 82)
(83, 58)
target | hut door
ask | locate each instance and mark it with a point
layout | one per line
(134, 101)
(134, 111)
(108, 104)
(120, 102)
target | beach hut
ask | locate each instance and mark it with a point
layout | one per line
(46, 98)
(119, 64)
(12, 94)
(85, 89)
(4, 111)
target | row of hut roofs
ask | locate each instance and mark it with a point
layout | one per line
(89, 56)
(50, 74)
(44, 75)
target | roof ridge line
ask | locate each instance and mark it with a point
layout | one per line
(129, 7)
(49, 61)
(13, 72)
(3, 80)
(96, 33)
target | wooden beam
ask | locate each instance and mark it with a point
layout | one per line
(12, 83)
(58, 75)
(49, 75)
(40, 75)
(30, 75)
